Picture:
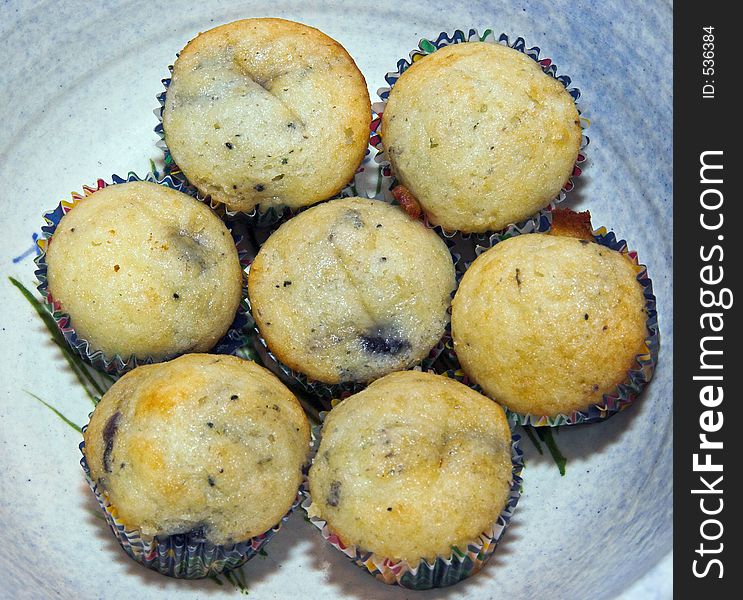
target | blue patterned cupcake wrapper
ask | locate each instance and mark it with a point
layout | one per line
(478, 243)
(443, 571)
(638, 377)
(429, 46)
(187, 555)
(117, 364)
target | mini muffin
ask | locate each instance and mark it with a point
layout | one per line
(206, 446)
(413, 466)
(480, 135)
(144, 271)
(266, 112)
(351, 290)
(548, 324)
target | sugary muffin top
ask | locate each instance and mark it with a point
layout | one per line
(145, 270)
(204, 443)
(548, 324)
(411, 466)
(266, 111)
(480, 135)
(351, 290)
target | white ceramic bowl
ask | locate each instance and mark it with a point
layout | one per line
(77, 91)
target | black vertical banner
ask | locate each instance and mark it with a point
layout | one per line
(708, 252)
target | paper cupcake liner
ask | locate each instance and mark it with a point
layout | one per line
(444, 570)
(475, 244)
(185, 555)
(117, 364)
(428, 46)
(257, 217)
(637, 378)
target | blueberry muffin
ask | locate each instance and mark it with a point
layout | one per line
(548, 324)
(480, 135)
(207, 445)
(351, 290)
(144, 271)
(412, 466)
(266, 112)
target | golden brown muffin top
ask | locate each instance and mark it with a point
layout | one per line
(145, 270)
(351, 290)
(206, 443)
(411, 466)
(547, 324)
(266, 111)
(480, 135)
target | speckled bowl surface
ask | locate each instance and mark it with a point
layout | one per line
(77, 94)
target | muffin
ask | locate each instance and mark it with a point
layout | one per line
(548, 324)
(412, 469)
(266, 112)
(144, 271)
(351, 290)
(204, 449)
(493, 143)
